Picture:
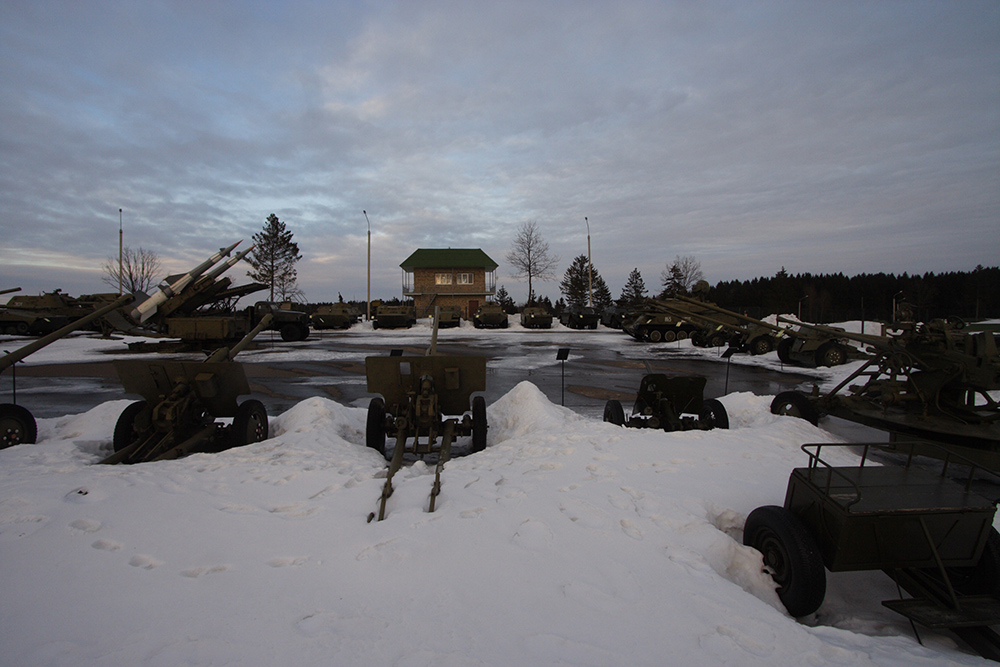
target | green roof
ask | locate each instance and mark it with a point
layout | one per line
(448, 258)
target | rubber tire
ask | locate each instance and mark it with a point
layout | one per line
(125, 434)
(713, 414)
(716, 340)
(614, 413)
(375, 426)
(698, 339)
(682, 335)
(479, 425)
(669, 336)
(791, 555)
(655, 336)
(290, 332)
(795, 404)
(831, 354)
(785, 350)
(249, 424)
(17, 426)
(761, 345)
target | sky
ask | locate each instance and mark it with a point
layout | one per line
(851, 137)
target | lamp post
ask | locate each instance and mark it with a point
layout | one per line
(590, 269)
(800, 306)
(368, 301)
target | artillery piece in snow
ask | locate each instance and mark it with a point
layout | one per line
(671, 403)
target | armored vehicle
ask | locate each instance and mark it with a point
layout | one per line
(448, 316)
(615, 317)
(182, 401)
(394, 317)
(580, 317)
(741, 332)
(671, 403)
(806, 345)
(17, 424)
(658, 326)
(292, 324)
(927, 529)
(490, 315)
(933, 381)
(424, 404)
(536, 317)
(334, 316)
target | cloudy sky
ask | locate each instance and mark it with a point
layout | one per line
(819, 136)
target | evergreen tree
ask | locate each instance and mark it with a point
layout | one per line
(273, 260)
(681, 276)
(602, 295)
(575, 285)
(634, 291)
(504, 300)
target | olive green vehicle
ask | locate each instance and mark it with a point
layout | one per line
(448, 316)
(671, 403)
(927, 529)
(37, 315)
(536, 317)
(934, 381)
(424, 405)
(17, 424)
(658, 327)
(334, 316)
(394, 317)
(580, 317)
(181, 403)
(807, 345)
(490, 315)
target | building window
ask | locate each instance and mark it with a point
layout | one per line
(465, 279)
(442, 278)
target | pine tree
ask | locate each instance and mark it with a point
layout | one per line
(575, 285)
(273, 259)
(681, 276)
(634, 291)
(504, 300)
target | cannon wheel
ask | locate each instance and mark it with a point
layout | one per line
(830, 354)
(125, 433)
(713, 414)
(761, 345)
(249, 423)
(614, 413)
(785, 350)
(478, 424)
(17, 426)
(293, 332)
(716, 340)
(794, 404)
(375, 426)
(791, 557)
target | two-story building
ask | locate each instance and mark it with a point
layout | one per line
(464, 277)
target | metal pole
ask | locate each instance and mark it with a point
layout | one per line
(590, 269)
(369, 299)
(120, 252)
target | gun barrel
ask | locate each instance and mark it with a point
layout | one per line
(227, 353)
(17, 355)
(9, 290)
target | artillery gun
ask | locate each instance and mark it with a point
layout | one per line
(933, 381)
(805, 345)
(17, 425)
(180, 406)
(745, 333)
(424, 405)
(671, 403)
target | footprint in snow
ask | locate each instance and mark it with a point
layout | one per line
(145, 562)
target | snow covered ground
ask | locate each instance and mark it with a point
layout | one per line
(566, 542)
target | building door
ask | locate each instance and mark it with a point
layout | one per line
(473, 307)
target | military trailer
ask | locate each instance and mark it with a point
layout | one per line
(671, 403)
(927, 529)
(394, 317)
(334, 316)
(448, 316)
(490, 316)
(536, 317)
(580, 317)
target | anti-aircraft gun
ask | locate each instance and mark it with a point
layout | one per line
(181, 402)
(933, 381)
(17, 425)
(418, 393)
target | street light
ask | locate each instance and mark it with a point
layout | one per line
(590, 269)
(800, 306)
(368, 301)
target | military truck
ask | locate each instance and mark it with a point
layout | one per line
(394, 317)
(490, 315)
(536, 317)
(334, 316)
(580, 317)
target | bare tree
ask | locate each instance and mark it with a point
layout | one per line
(529, 255)
(140, 270)
(681, 276)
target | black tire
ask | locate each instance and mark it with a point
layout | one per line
(791, 557)
(17, 426)
(682, 335)
(504, 325)
(614, 413)
(290, 332)
(795, 404)
(374, 324)
(698, 339)
(785, 350)
(831, 354)
(716, 340)
(761, 345)
(249, 424)
(479, 425)
(125, 433)
(655, 336)
(713, 414)
(641, 333)
(669, 336)
(303, 331)
(375, 426)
